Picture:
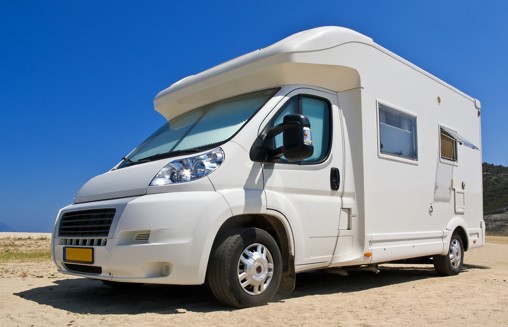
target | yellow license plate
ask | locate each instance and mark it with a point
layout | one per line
(78, 255)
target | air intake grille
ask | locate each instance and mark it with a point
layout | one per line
(87, 223)
(84, 269)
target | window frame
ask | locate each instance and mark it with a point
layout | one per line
(404, 112)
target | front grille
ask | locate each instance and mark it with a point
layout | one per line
(86, 223)
(84, 241)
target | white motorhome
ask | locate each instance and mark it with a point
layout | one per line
(323, 150)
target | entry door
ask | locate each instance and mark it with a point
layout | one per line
(308, 193)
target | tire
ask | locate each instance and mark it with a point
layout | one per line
(245, 268)
(451, 263)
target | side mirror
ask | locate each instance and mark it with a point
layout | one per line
(296, 141)
(297, 138)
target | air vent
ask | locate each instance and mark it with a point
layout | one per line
(142, 237)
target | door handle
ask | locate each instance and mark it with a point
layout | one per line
(335, 179)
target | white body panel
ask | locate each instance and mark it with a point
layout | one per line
(386, 208)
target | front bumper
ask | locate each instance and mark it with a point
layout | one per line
(158, 238)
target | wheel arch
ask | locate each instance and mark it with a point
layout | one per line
(459, 230)
(457, 225)
(278, 228)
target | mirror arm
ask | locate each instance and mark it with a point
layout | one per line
(280, 128)
(277, 153)
(260, 150)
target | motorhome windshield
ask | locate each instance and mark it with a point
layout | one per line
(200, 129)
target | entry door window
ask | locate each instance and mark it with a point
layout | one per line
(318, 111)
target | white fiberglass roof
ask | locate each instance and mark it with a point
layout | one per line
(245, 73)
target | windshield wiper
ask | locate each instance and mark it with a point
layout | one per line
(128, 162)
(165, 155)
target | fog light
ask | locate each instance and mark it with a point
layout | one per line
(166, 269)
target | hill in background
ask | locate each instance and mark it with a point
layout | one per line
(5, 228)
(495, 199)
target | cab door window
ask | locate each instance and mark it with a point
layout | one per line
(318, 111)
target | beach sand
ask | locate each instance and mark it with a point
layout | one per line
(34, 294)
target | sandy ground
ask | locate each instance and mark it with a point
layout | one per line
(34, 294)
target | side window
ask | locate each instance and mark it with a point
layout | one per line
(318, 111)
(448, 146)
(397, 133)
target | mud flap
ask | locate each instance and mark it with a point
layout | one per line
(288, 280)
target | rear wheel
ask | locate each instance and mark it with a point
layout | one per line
(245, 268)
(451, 263)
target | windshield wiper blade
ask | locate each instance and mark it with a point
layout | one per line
(167, 155)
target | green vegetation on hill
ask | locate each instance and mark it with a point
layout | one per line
(495, 188)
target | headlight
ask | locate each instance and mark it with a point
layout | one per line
(189, 169)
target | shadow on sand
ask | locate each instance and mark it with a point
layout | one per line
(86, 296)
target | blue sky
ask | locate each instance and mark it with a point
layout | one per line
(77, 78)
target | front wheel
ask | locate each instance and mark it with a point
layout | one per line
(245, 268)
(451, 263)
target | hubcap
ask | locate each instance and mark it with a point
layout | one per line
(255, 269)
(455, 253)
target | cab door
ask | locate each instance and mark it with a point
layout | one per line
(308, 193)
